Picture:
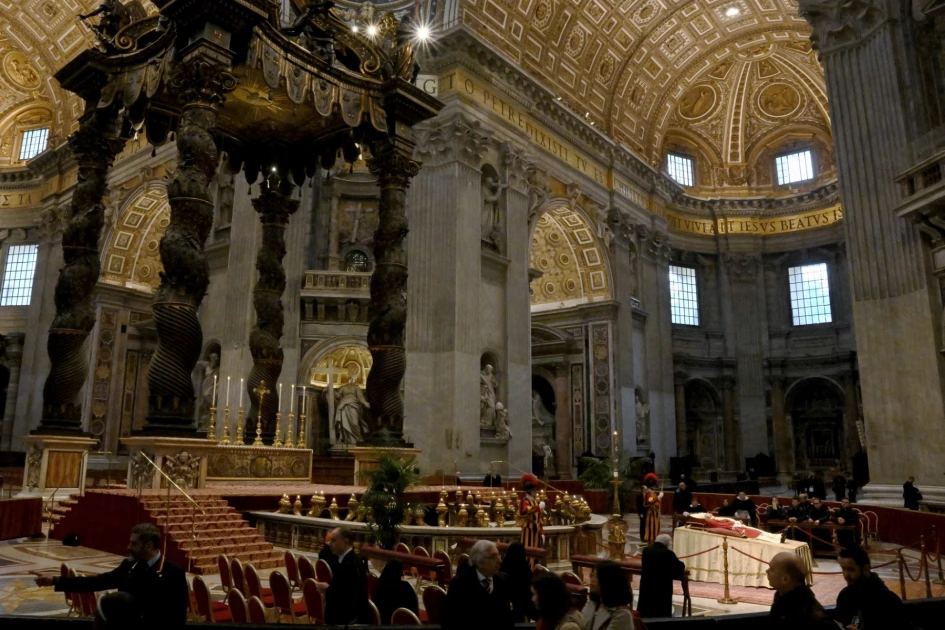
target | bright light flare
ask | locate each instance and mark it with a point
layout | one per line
(732, 11)
(423, 33)
(372, 30)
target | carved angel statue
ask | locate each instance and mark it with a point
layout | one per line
(114, 17)
(502, 429)
(540, 414)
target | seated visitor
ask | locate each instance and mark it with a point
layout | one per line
(660, 568)
(776, 511)
(745, 508)
(866, 602)
(694, 507)
(516, 566)
(726, 509)
(800, 511)
(479, 595)
(847, 515)
(553, 602)
(819, 513)
(157, 587)
(609, 600)
(393, 592)
(795, 607)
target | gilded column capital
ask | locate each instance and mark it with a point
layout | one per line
(454, 139)
(518, 164)
(838, 24)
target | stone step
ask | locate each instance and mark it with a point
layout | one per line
(247, 538)
(210, 568)
(184, 511)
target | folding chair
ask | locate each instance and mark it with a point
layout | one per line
(314, 604)
(282, 596)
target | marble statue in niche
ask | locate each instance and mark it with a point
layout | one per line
(491, 219)
(487, 397)
(225, 191)
(540, 414)
(350, 420)
(502, 429)
(642, 418)
(204, 374)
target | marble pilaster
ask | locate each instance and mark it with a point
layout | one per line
(13, 348)
(679, 384)
(729, 425)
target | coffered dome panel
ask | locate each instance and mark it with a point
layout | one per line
(648, 72)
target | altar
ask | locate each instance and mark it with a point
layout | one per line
(747, 558)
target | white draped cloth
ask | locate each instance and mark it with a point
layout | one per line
(742, 569)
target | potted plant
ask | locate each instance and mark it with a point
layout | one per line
(384, 496)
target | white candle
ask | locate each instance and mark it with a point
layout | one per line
(292, 400)
(214, 399)
(241, 393)
(227, 392)
(280, 397)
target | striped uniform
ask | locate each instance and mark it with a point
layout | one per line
(651, 503)
(530, 512)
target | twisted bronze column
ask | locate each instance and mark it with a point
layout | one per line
(394, 168)
(94, 145)
(200, 88)
(274, 206)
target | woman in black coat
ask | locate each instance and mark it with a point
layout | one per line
(394, 592)
(515, 565)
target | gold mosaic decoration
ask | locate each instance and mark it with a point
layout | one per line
(574, 268)
(132, 258)
(347, 361)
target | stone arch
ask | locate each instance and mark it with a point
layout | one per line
(131, 257)
(19, 118)
(704, 422)
(575, 266)
(815, 409)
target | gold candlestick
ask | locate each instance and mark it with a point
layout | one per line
(212, 429)
(260, 391)
(300, 443)
(226, 426)
(289, 440)
(239, 427)
(277, 443)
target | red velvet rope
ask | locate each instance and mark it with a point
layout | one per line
(909, 573)
(693, 555)
(749, 555)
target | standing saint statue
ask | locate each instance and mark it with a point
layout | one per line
(643, 419)
(350, 422)
(491, 218)
(502, 429)
(487, 397)
(206, 388)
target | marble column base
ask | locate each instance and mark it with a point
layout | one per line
(55, 464)
(891, 495)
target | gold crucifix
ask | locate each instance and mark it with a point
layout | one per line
(260, 391)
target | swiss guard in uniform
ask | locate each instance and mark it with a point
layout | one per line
(651, 506)
(529, 511)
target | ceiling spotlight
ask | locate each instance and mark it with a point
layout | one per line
(423, 33)
(732, 11)
(372, 30)
(559, 98)
(354, 29)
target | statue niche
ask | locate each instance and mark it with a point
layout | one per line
(642, 408)
(493, 416)
(543, 426)
(350, 421)
(203, 376)
(492, 233)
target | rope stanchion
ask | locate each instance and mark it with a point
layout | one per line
(902, 577)
(727, 596)
(925, 561)
(938, 556)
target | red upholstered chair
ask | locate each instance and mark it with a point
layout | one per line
(434, 598)
(257, 611)
(223, 564)
(371, 585)
(292, 570)
(254, 586)
(401, 548)
(404, 617)
(88, 604)
(375, 614)
(445, 557)
(237, 604)
(421, 551)
(569, 577)
(306, 569)
(204, 607)
(282, 595)
(314, 604)
(539, 568)
(322, 571)
(236, 576)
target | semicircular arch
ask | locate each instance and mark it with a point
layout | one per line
(131, 256)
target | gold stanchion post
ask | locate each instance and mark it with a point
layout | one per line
(727, 596)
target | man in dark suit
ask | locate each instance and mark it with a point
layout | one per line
(346, 598)
(681, 498)
(847, 515)
(660, 568)
(156, 587)
(479, 596)
(911, 495)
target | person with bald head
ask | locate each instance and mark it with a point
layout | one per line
(660, 567)
(795, 607)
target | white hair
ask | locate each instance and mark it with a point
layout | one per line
(665, 539)
(479, 550)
